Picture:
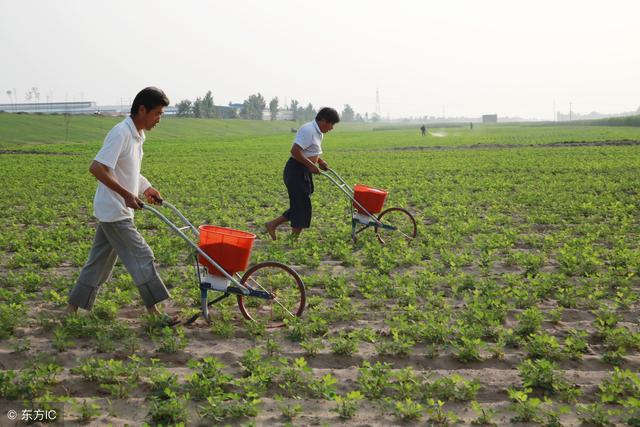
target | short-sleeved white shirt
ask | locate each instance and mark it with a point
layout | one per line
(122, 154)
(309, 138)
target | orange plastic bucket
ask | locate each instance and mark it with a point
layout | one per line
(230, 248)
(372, 199)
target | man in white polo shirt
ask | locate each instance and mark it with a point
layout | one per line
(305, 153)
(117, 169)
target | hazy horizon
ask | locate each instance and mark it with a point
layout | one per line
(463, 58)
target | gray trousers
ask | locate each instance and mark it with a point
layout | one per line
(122, 240)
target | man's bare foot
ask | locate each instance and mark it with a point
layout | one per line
(271, 230)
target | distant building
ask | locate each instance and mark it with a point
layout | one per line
(489, 118)
(280, 114)
(285, 115)
(51, 107)
(226, 112)
(84, 107)
(237, 107)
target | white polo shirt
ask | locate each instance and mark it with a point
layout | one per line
(122, 153)
(309, 138)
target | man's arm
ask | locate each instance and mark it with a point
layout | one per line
(104, 175)
(296, 152)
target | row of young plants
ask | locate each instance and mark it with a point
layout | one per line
(405, 393)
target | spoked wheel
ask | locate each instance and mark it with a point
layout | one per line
(400, 219)
(283, 283)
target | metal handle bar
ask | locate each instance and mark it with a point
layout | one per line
(195, 231)
(346, 189)
(337, 179)
(179, 232)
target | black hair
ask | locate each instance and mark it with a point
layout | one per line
(150, 97)
(328, 115)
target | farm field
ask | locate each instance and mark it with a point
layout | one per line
(516, 303)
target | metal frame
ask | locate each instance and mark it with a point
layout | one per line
(234, 288)
(349, 192)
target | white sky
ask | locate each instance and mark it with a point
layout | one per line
(468, 57)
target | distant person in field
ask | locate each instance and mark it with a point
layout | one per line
(305, 153)
(120, 184)
(423, 129)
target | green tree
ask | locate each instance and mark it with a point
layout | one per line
(309, 113)
(185, 108)
(294, 109)
(197, 108)
(252, 107)
(348, 114)
(273, 108)
(207, 109)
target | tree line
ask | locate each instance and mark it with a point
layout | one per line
(252, 109)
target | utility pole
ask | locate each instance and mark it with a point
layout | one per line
(378, 104)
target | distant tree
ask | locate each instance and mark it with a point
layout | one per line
(375, 117)
(207, 109)
(359, 118)
(197, 108)
(252, 107)
(348, 114)
(638, 110)
(294, 108)
(185, 108)
(309, 113)
(33, 93)
(273, 108)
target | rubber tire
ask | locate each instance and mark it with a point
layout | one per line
(404, 211)
(272, 264)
